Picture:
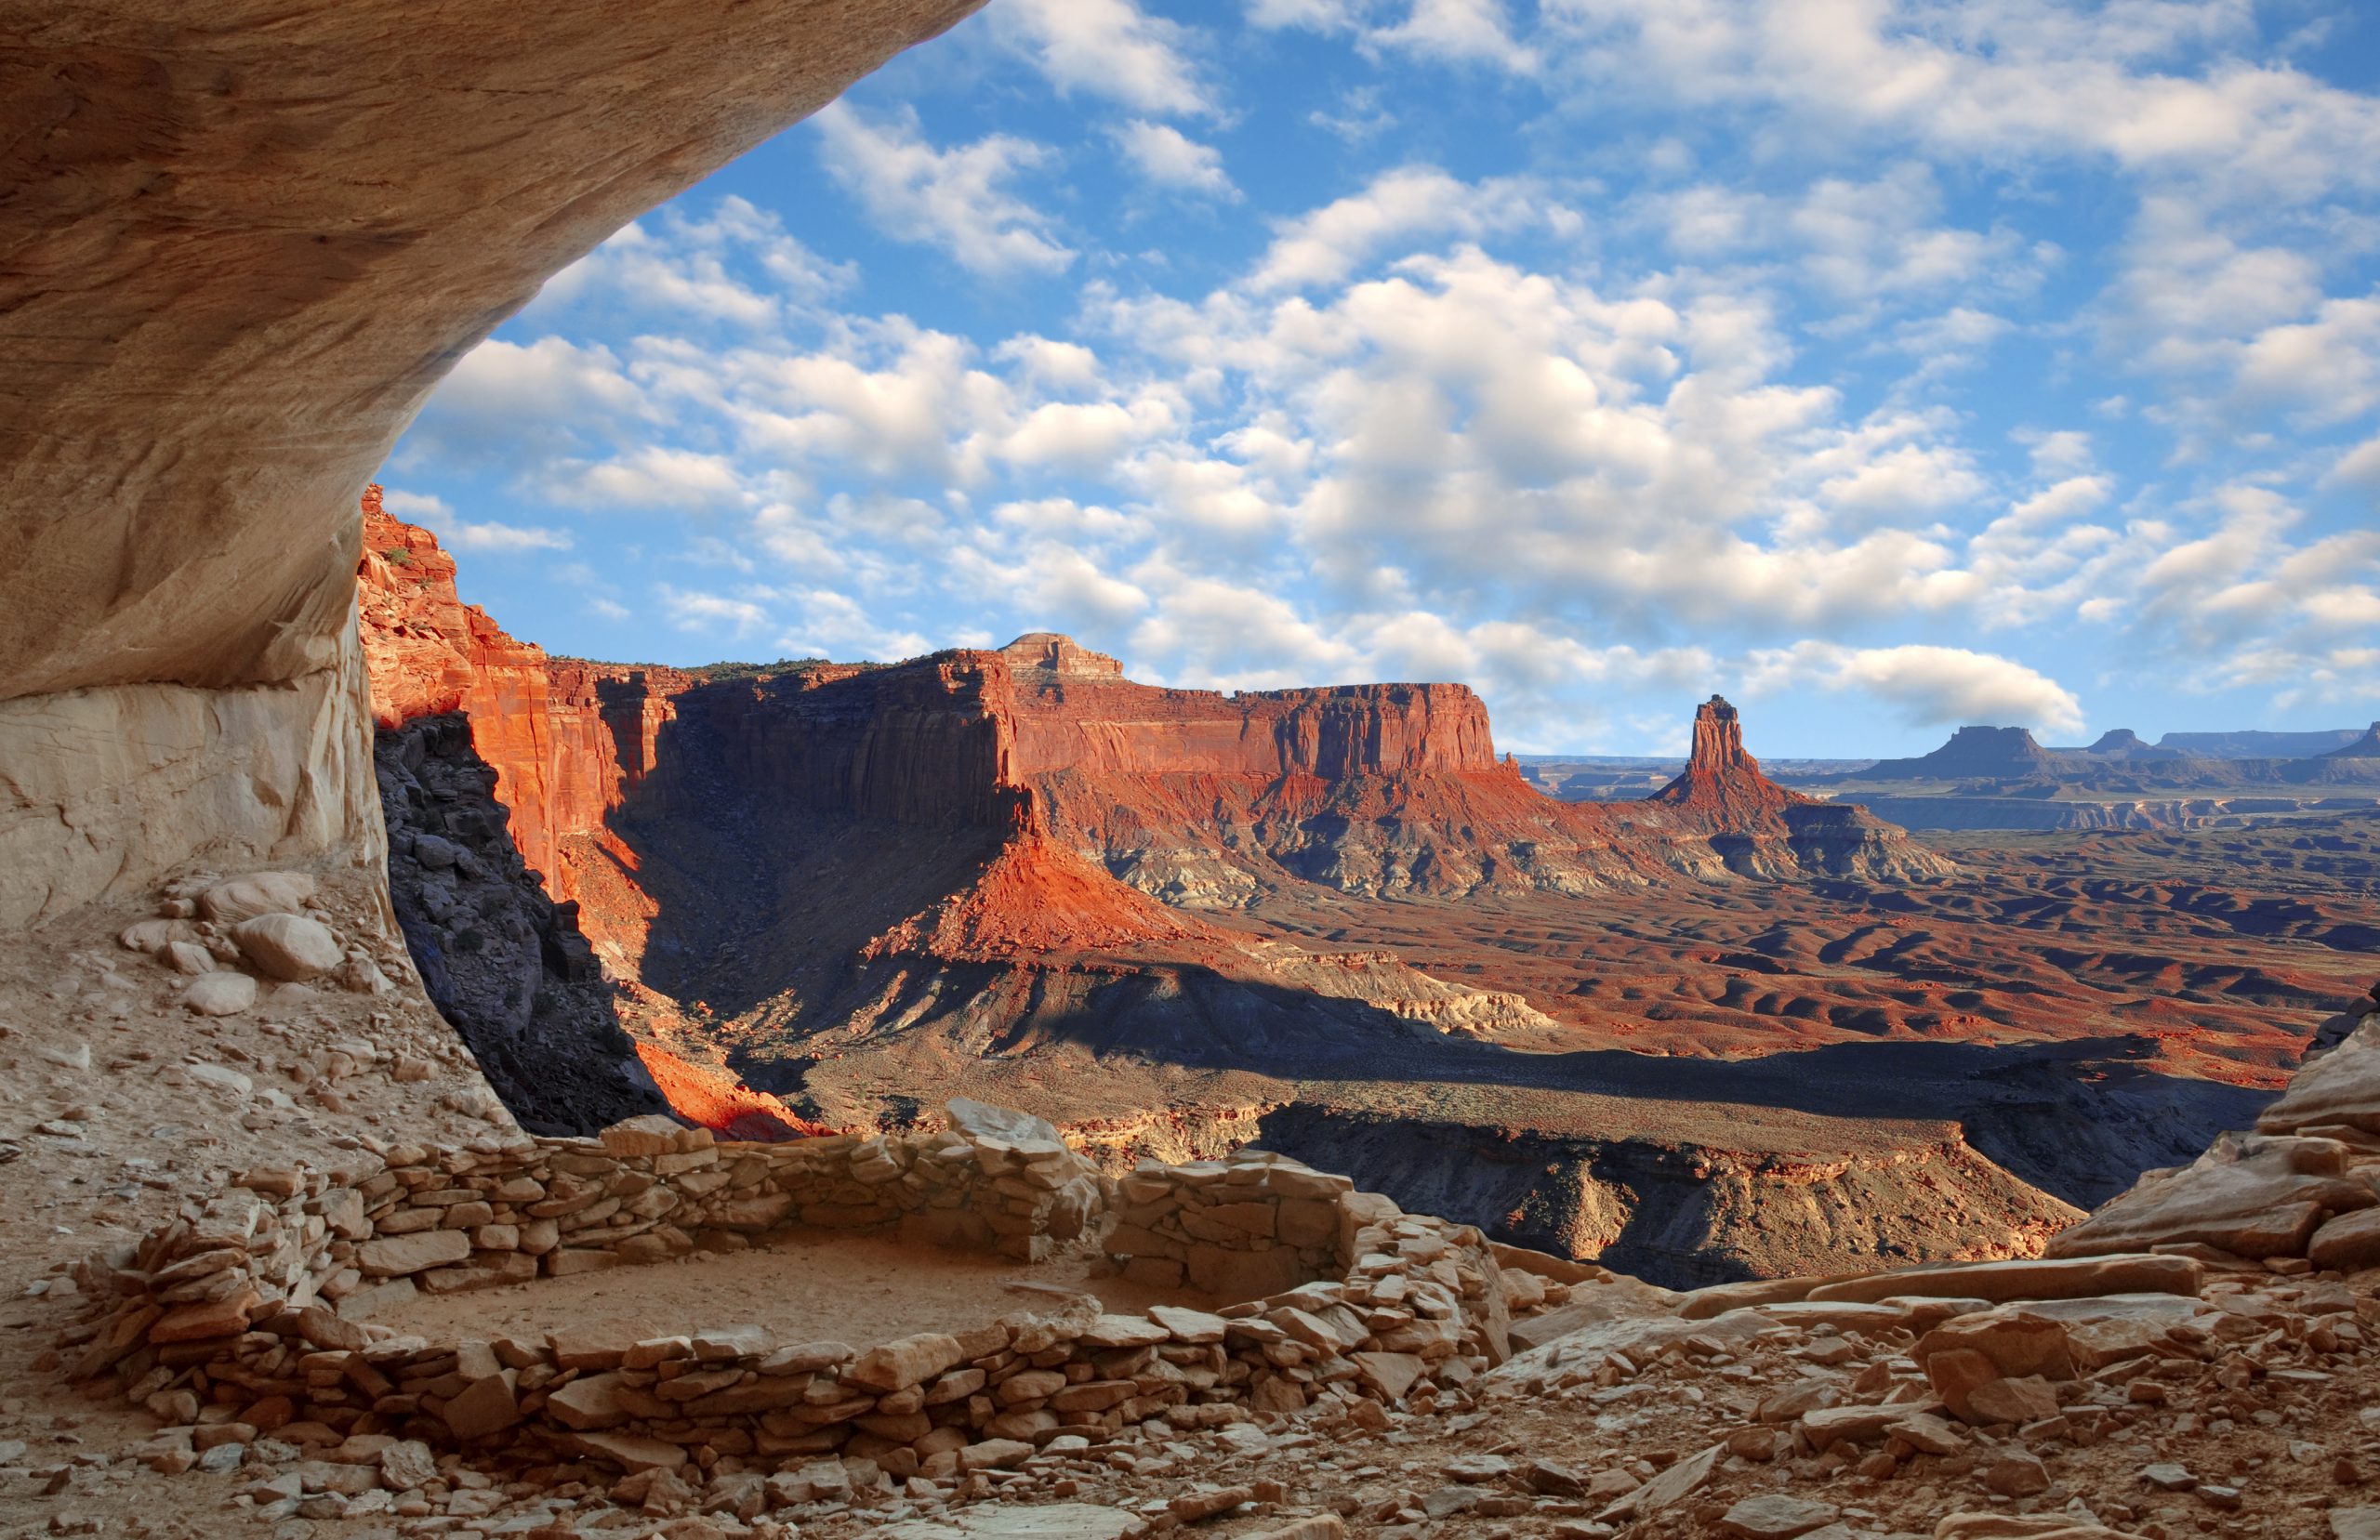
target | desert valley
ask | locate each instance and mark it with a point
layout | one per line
(1723, 1031)
(453, 1088)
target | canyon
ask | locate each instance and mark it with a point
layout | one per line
(244, 245)
(1727, 1030)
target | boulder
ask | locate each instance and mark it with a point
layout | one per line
(259, 893)
(2252, 1194)
(2101, 1332)
(2349, 1241)
(219, 994)
(2017, 1340)
(289, 947)
(2342, 1087)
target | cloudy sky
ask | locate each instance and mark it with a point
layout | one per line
(1884, 365)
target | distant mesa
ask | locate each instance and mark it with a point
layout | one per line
(2260, 745)
(1047, 652)
(1972, 753)
(2365, 747)
(2124, 744)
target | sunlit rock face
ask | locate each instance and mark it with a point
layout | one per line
(242, 246)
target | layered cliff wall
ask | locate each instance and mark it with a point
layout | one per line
(1194, 797)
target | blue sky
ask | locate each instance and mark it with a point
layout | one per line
(1882, 364)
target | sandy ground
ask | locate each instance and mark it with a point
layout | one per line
(815, 1287)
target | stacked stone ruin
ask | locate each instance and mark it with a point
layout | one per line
(252, 1313)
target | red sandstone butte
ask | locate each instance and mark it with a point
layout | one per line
(1721, 782)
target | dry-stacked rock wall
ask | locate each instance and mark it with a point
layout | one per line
(1235, 1228)
(259, 1303)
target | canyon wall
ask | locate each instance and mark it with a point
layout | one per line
(241, 248)
(1197, 797)
(1111, 726)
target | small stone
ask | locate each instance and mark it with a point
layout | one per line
(187, 958)
(219, 995)
(2017, 1476)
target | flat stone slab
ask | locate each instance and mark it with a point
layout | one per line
(1047, 1521)
(2075, 1278)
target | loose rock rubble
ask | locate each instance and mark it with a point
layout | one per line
(2175, 1387)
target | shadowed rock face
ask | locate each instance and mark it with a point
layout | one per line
(241, 247)
(2365, 747)
(502, 962)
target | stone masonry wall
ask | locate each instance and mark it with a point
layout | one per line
(248, 1317)
(1253, 1225)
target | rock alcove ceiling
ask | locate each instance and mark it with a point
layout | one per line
(234, 258)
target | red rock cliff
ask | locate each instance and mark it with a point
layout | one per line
(1094, 720)
(427, 651)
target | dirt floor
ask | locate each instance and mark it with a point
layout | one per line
(823, 1286)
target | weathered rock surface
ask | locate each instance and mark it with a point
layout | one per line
(2340, 1089)
(246, 250)
(2253, 1195)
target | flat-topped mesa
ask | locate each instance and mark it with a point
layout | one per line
(1972, 753)
(1334, 732)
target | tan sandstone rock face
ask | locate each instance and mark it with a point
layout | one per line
(241, 251)
(2253, 1195)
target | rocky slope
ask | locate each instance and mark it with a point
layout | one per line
(472, 761)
